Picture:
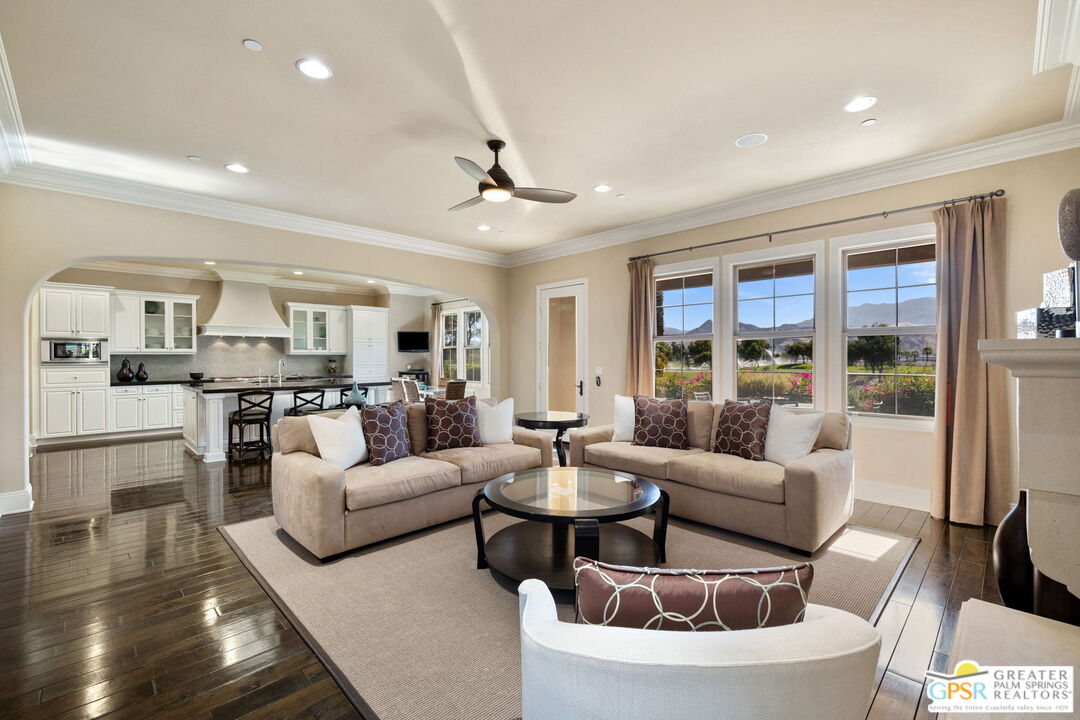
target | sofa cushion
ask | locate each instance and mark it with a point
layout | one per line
(660, 422)
(487, 462)
(451, 423)
(741, 429)
(293, 434)
(690, 600)
(730, 474)
(699, 423)
(416, 414)
(636, 459)
(373, 485)
(386, 432)
(834, 431)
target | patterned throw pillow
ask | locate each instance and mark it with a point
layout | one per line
(741, 428)
(660, 423)
(690, 600)
(451, 424)
(386, 432)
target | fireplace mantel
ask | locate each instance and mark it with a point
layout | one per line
(1048, 408)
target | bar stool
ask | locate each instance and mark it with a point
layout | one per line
(255, 408)
(306, 401)
(455, 390)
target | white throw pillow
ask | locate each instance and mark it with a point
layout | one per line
(624, 419)
(791, 435)
(340, 440)
(495, 422)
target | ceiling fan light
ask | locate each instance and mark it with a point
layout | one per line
(496, 194)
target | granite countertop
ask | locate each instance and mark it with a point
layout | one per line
(323, 383)
(132, 383)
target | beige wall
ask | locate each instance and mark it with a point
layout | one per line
(408, 312)
(42, 232)
(1034, 186)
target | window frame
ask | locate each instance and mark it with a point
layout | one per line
(461, 345)
(690, 267)
(840, 248)
(814, 250)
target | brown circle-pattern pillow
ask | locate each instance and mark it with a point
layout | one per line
(741, 428)
(451, 424)
(660, 423)
(386, 432)
(690, 600)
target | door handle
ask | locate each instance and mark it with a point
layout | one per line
(581, 388)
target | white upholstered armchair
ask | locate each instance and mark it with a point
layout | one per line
(822, 667)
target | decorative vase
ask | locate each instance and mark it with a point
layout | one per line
(125, 374)
(356, 397)
(1013, 568)
(141, 375)
(1069, 223)
(331, 368)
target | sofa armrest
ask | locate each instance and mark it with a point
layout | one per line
(535, 438)
(309, 501)
(819, 493)
(580, 437)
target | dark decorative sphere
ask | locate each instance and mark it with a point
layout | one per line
(1069, 223)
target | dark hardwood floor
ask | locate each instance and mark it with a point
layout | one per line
(120, 599)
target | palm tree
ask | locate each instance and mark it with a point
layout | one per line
(927, 351)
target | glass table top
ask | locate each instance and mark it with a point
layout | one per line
(571, 492)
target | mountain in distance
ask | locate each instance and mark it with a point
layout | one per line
(704, 328)
(917, 311)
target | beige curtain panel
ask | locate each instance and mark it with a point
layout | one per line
(436, 346)
(639, 362)
(971, 460)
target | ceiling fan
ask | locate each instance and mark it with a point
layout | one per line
(496, 185)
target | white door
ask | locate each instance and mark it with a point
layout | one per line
(561, 348)
(125, 412)
(157, 411)
(58, 413)
(91, 410)
(127, 324)
(92, 319)
(57, 312)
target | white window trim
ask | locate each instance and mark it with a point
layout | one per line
(822, 348)
(485, 350)
(688, 267)
(838, 247)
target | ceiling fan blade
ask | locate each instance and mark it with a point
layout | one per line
(544, 195)
(468, 203)
(473, 170)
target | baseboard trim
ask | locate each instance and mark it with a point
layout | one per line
(891, 494)
(19, 501)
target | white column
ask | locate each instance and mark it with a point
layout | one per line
(213, 409)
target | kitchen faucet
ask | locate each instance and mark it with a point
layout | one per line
(280, 369)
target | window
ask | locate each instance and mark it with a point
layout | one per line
(890, 330)
(774, 332)
(463, 345)
(682, 340)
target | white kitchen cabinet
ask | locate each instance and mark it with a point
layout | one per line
(146, 407)
(126, 323)
(157, 412)
(74, 311)
(92, 410)
(368, 360)
(317, 329)
(126, 411)
(154, 323)
(73, 411)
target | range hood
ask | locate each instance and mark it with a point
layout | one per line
(245, 308)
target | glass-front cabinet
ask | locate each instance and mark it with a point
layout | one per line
(168, 325)
(319, 330)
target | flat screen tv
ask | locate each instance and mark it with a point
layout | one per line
(411, 341)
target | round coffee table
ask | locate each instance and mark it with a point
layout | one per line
(551, 501)
(558, 420)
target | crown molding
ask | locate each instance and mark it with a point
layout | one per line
(1057, 34)
(107, 188)
(133, 268)
(321, 287)
(13, 149)
(1072, 98)
(1041, 140)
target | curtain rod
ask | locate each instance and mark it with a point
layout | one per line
(884, 214)
(447, 302)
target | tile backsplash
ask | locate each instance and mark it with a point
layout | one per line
(228, 357)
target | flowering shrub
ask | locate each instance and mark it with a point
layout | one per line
(671, 384)
(910, 395)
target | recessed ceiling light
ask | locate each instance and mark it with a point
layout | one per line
(621, 196)
(751, 140)
(209, 262)
(602, 188)
(868, 122)
(297, 272)
(194, 158)
(253, 45)
(483, 228)
(236, 168)
(313, 68)
(371, 282)
(860, 103)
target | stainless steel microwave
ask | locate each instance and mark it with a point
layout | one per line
(74, 351)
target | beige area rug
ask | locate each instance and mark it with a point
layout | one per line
(416, 631)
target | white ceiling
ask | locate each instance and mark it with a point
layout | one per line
(646, 96)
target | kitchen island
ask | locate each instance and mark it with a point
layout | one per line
(207, 406)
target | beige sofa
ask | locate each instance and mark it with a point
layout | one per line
(801, 505)
(329, 511)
